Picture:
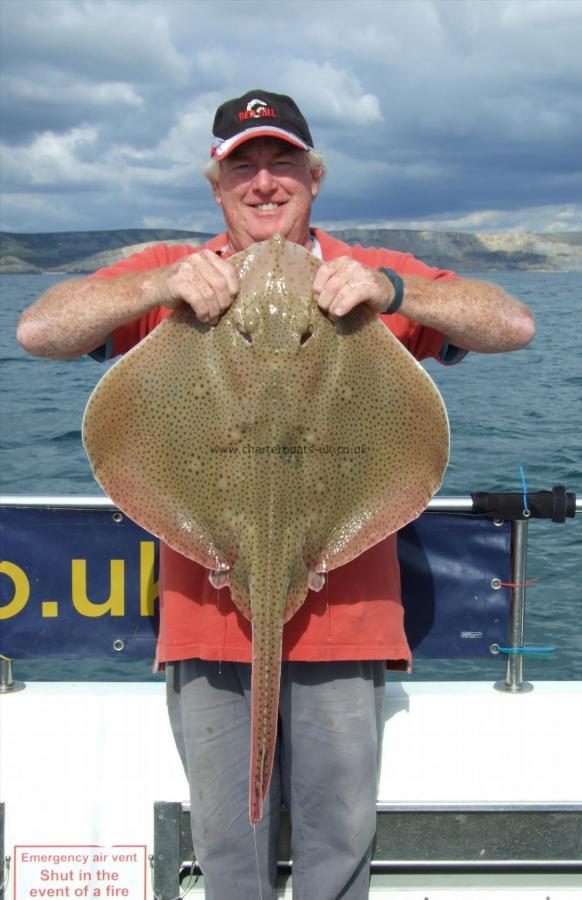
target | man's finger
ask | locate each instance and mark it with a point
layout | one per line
(220, 283)
(349, 296)
(330, 290)
(323, 275)
(226, 270)
(206, 310)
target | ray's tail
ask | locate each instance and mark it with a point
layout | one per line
(265, 686)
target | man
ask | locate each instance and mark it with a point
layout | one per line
(265, 176)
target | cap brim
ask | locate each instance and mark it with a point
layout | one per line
(222, 149)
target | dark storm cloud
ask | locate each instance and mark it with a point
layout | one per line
(457, 113)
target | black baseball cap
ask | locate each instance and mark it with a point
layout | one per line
(258, 114)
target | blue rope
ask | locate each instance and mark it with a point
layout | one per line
(525, 650)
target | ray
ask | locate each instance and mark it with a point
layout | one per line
(271, 449)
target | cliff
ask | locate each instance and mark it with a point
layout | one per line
(82, 252)
(478, 252)
(65, 250)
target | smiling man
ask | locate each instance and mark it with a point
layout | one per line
(262, 176)
(265, 175)
(266, 187)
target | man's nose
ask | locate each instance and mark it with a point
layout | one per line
(264, 180)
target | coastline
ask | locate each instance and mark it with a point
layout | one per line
(82, 253)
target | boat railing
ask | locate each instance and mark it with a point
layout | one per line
(411, 838)
(27, 522)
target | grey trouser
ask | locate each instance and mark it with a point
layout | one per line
(330, 731)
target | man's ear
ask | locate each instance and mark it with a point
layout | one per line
(316, 178)
(216, 192)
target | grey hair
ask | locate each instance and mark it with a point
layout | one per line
(315, 160)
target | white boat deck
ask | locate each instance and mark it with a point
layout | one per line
(81, 764)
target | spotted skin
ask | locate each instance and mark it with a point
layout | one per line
(269, 448)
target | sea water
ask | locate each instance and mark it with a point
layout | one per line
(506, 411)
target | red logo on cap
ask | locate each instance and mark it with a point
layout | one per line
(257, 109)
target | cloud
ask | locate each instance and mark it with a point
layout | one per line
(57, 102)
(52, 159)
(62, 91)
(428, 110)
(122, 40)
(331, 94)
(536, 219)
(69, 62)
(189, 139)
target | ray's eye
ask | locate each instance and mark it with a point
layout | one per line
(305, 337)
(244, 334)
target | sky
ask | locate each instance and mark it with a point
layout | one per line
(439, 114)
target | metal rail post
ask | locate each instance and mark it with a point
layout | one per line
(514, 672)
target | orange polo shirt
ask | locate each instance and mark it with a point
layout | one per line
(358, 614)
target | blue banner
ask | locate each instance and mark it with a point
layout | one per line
(80, 583)
(449, 563)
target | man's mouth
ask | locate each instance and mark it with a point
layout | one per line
(268, 207)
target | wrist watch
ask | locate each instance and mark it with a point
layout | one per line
(398, 285)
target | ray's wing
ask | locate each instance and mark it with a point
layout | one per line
(385, 428)
(157, 431)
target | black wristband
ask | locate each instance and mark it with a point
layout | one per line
(398, 285)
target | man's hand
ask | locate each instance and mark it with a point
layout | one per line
(204, 281)
(343, 283)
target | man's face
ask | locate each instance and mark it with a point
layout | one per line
(265, 187)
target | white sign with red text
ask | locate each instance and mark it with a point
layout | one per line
(69, 871)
